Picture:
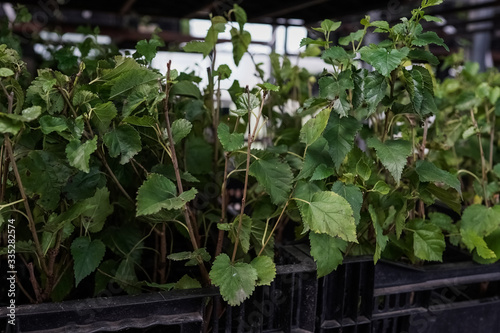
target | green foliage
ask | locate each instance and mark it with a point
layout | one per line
(87, 256)
(392, 154)
(327, 252)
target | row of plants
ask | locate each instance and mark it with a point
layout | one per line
(117, 173)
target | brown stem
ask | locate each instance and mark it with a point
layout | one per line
(163, 254)
(251, 138)
(31, 222)
(190, 226)
(34, 283)
(4, 173)
(215, 125)
(220, 238)
(112, 175)
(424, 140)
(484, 179)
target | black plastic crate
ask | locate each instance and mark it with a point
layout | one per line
(417, 300)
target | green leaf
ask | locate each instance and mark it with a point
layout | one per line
(443, 221)
(275, 176)
(187, 282)
(380, 239)
(83, 184)
(340, 134)
(240, 39)
(78, 154)
(392, 154)
(428, 240)
(424, 55)
(266, 270)
(481, 219)
(352, 194)
(144, 121)
(230, 141)
(421, 90)
(429, 37)
(383, 60)
(317, 154)
(240, 14)
(352, 37)
(223, 72)
(103, 114)
(474, 241)
(199, 47)
(369, 88)
(96, 210)
(381, 187)
(246, 227)
(87, 255)
(83, 97)
(123, 140)
(329, 213)
(12, 123)
(185, 88)
(428, 172)
(158, 192)
(336, 56)
(246, 103)
(236, 281)
(268, 86)
(199, 155)
(5, 72)
(180, 129)
(328, 26)
(131, 79)
(44, 174)
(327, 252)
(363, 170)
(261, 232)
(322, 172)
(148, 48)
(49, 124)
(312, 130)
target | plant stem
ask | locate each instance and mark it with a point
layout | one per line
(220, 238)
(424, 140)
(483, 162)
(215, 125)
(251, 138)
(163, 254)
(492, 140)
(193, 238)
(274, 228)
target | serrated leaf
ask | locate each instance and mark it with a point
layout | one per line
(392, 154)
(266, 270)
(95, 210)
(423, 55)
(187, 282)
(246, 227)
(428, 172)
(268, 86)
(240, 39)
(443, 221)
(333, 88)
(158, 192)
(44, 174)
(429, 37)
(275, 176)
(230, 141)
(199, 47)
(180, 129)
(123, 140)
(144, 121)
(312, 130)
(327, 252)
(428, 240)
(474, 241)
(383, 60)
(336, 56)
(148, 48)
(329, 213)
(78, 154)
(235, 281)
(340, 134)
(421, 90)
(352, 37)
(322, 172)
(363, 170)
(131, 79)
(369, 88)
(246, 103)
(83, 184)
(381, 187)
(380, 239)
(329, 25)
(481, 219)
(352, 194)
(103, 114)
(49, 124)
(87, 256)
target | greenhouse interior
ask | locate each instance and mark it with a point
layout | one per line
(250, 166)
